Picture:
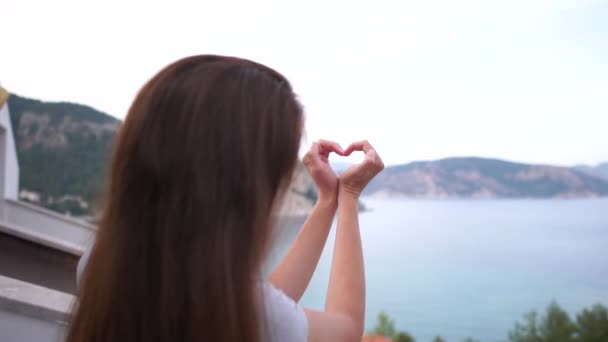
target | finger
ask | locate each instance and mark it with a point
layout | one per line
(362, 145)
(373, 158)
(327, 147)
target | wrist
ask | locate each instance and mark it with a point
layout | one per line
(327, 200)
(346, 196)
(346, 192)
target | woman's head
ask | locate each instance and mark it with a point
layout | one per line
(205, 151)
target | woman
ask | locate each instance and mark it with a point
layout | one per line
(201, 162)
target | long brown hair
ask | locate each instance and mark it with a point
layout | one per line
(200, 160)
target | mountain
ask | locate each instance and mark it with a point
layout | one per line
(62, 150)
(484, 178)
(600, 170)
(63, 153)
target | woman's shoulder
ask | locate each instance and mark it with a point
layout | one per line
(286, 319)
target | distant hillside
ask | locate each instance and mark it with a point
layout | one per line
(600, 170)
(62, 150)
(63, 153)
(302, 195)
(484, 178)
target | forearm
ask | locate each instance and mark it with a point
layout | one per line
(294, 272)
(346, 292)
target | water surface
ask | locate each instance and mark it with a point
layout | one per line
(472, 268)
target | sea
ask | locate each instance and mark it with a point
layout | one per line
(470, 268)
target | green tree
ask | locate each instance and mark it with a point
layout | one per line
(592, 324)
(438, 339)
(555, 326)
(403, 337)
(527, 331)
(470, 339)
(385, 325)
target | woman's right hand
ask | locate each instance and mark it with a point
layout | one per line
(316, 161)
(354, 179)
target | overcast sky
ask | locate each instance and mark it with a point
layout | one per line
(522, 80)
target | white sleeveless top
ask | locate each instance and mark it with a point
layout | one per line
(285, 319)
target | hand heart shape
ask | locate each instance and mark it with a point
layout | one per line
(353, 180)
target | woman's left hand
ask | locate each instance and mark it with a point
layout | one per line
(317, 162)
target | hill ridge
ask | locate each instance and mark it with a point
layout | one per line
(478, 177)
(63, 150)
(63, 147)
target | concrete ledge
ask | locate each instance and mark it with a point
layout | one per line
(52, 214)
(34, 301)
(48, 228)
(40, 238)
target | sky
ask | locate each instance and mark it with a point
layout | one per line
(522, 80)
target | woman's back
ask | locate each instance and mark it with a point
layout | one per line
(282, 318)
(200, 164)
(203, 152)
